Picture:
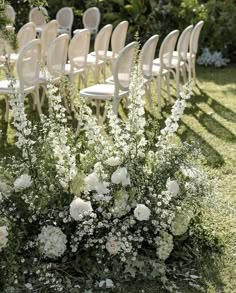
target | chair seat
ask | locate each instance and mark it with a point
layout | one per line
(76, 69)
(156, 70)
(101, 92)
(123, 77)
(174, 63)
(63, 30)
(5, 87)
(91, 59)
(101, 55)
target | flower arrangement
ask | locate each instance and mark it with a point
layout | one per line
(80, 210)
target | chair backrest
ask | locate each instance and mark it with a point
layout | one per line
(10, 13)
(65, 18)
(91, 19)
(123, 67)
(26, 34)
(79, 48)
(38, 15)
(167, 48)
(28, 63)
(49, 34)
(102, 41)
(195, 37)
(147, 55)
(183, 43)
(118, 37)
(57, 55)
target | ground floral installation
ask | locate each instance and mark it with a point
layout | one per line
(83, 211)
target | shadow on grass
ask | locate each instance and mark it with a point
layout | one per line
(220, 109)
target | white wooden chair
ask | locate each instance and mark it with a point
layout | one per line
(27, 68)
(77, 53)
(11, 15)
(26, 34)
(55, 62)
(120, 88)
(38, 15)
(179, 61)
(97, 60)
(193, 48)
(162, 65)
(91, 19)
(118, 39)
(65, 18)
(147, 55)
(49, 34)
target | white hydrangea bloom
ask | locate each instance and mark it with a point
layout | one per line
(3, 237)
(142, 212)
(180, 224)
(165, 245)
(112, 246)
(113, 161)
(121, 176)
(78, 207)
(22, 182)
(172, 186)
(52, 241)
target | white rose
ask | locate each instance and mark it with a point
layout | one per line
(4, 187)
(3, 237)
(78, 207)
(120, 176)
(172, 186)
(108, 284)
(22, 182)
(142, 212)
(112, 246)
(113, 161)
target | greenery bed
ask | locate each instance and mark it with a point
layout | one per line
(209, 120)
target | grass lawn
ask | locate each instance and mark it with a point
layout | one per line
(210, 120)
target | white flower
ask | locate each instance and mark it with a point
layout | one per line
(113, 161)
(165, 245)
(52, 241)
(78, 207)
(3, 237)
(92, 182)
(120, 176)
(108, 284)
(142, 212)
(22, 182)
(172, 187)
(112, 246)
(180, 223)
(4, 187)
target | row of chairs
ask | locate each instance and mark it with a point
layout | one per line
(65, 18)
(79, 58)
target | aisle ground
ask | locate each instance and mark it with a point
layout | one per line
(210, 120)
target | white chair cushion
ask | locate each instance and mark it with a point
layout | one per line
(101, 92)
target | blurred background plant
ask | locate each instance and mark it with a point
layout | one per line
(149, 17)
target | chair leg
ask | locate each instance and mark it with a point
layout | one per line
(194, 69)
(115, 105)
(184, 74)
(38, 104)
(168, 85)
(43, 95)
(149, 95)
(177, 80)
(189, 69)
(98, 104)
(7, 109)
(159, 92)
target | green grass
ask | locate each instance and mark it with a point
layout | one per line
(210, 120)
